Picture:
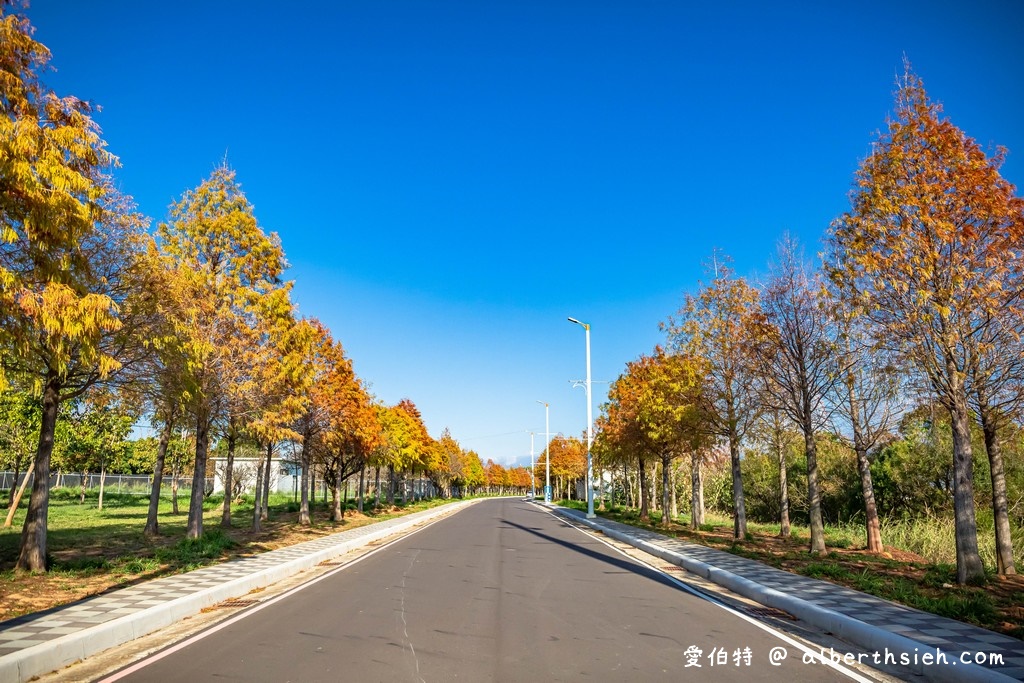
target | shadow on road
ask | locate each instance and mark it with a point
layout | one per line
(606, 557)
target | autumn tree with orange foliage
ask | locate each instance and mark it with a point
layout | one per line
(445, 463)
(620, 436)
(352, 430)
(654, 413)
(404, 443)
(495, 475)
(327, 368)
(930, 254)
(519, 479)
(721, 326)
(284, 383)
(568, 461)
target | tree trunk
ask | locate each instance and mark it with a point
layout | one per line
(336, 493)
(345, 494)
(650, 483)
(16, 497)
(628, 487)
(1000, 513)
(675, 485)
(696, 492)
(666, 503)
(14, 483)
(195, 503)
(872, 525)
(391, 485)
(152, 525)
(257, 502)
(265, 508)
(813, 490)
(784, 528)
(376, 489)
(304, 484)
(739, 509)
(312, 484)
(229, 467)
(174, 487)
(645, 509)
(968, 560)
(362, 489)
(82, 487)
(33, 534)
(103, 480)
(871, 521)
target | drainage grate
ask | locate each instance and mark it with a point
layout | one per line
(330, 563)
(235, 603)
(672, 568)
(768, 612)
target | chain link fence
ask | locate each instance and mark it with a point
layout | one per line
(137, 484)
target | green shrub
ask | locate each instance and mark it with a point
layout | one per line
(139, 565)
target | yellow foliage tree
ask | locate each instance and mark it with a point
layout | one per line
(73, 283)
(212, 232)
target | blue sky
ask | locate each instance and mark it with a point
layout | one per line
(451, 180)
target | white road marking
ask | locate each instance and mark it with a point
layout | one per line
(689, 589)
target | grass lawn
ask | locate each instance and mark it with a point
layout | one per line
(92, 551)
(896, 575)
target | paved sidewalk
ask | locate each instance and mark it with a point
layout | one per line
(42, 642)
(865, 620)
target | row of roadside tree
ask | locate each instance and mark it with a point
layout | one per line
(190, 324)
(917, 303)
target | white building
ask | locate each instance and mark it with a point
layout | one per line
(284, 475)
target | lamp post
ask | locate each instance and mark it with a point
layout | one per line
(547, 453)
(533, 478)
(590, 427)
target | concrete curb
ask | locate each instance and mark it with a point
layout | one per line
(22, 666)
(872, 638)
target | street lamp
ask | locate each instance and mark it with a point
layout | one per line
(547, 452)
(590, 427)
(533, 473)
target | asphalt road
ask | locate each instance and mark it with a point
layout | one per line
(502, 591)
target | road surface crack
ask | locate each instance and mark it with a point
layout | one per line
(405, 623)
